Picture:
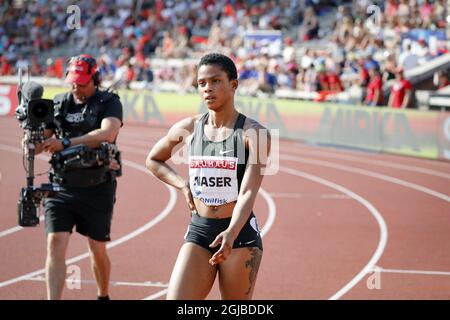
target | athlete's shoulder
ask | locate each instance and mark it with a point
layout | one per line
(252, 124)
(254, 131)
(256, 135)
(183, 128)
(187, 123)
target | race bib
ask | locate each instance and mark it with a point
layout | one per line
(213, 180)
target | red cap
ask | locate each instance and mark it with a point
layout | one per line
(288, 41)
(81, 69)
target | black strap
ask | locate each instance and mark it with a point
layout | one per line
(197, 138)
(240, 121)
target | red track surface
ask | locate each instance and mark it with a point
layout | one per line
(337, 215)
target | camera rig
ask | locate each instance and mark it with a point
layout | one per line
(34, 114)
(81, 156)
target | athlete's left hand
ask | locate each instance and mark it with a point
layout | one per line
(226, 240)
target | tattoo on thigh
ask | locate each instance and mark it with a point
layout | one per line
(253, 263)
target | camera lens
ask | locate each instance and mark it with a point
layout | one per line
(40, 110)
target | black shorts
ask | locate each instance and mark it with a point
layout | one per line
(90, 209)
(203, 231)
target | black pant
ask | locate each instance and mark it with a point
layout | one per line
(203, 231)
(90, 209)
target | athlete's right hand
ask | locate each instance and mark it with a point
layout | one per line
(189, 198)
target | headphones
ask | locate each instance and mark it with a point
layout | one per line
(92, 66)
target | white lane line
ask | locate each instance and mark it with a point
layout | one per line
(418, 272)
(156, 295)
(272, 212)
(370, 174)
(371, 161)
(163, 214)
(16, 228)
(438, 164)
(376, 214)
(12, 230)
(267, 225)
(291, 195)
(155, 284)
(17, 150)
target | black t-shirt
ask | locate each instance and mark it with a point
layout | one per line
(83, 118)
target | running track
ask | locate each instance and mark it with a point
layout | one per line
(330, 218)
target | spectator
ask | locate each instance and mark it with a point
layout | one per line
(266, 81)
(400, 95)
(407, 59)
(5, 67)
(322, 79)
(22, 63)
(404, 9)
(310, 79)
(129, 74)
(423, 51)
(184, 29)
(334, 81)
(442, 80)
(190, 78)
(426, 12)
(50, 68)
(374, 96)
(364, 77)
(310, 27)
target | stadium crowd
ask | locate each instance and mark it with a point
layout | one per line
(322, 46)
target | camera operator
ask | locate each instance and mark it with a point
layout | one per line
(87, 116)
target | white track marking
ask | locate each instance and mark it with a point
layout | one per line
(16, 228)
(11, 230)
(376, 214)
(370, 174)
(156, 295)
(366, 154)
(272, 212)
(155, 284)
(371, 161)
(291, 195)
(417, 272)
(5, 147)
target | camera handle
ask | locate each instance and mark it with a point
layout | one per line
(30, 197)
(30, 163)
